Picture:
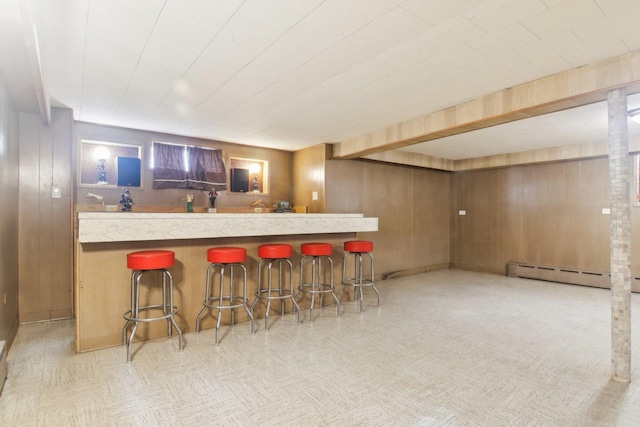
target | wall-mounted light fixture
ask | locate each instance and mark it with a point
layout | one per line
(634, 115)
(101, 154)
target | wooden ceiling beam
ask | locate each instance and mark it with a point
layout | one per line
(569, 89)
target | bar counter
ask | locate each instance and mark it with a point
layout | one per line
(102, 288)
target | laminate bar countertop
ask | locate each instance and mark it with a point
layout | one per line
(96, 227)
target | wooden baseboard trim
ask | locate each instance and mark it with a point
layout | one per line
(412, 271)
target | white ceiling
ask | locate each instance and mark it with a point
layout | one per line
(294, 73)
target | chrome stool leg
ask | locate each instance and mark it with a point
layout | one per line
(168, 309)
(316, 287)
(358, 281)
(218, 302)
(275, 293)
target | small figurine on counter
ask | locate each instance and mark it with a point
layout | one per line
(189, 202)
(212, 197)
(126, 201)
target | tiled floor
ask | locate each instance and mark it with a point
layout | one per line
(445, 348)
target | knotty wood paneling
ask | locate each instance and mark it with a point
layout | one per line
(9, 157)
(280, 170)
(411, 204)
(45, 225)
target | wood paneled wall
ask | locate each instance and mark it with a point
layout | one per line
(8, 216)
(45, 226)
(309, 167)
(280, 170)
(411, 204)
(548, 214)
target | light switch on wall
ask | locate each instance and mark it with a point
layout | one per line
(314, 195)
(55, 193)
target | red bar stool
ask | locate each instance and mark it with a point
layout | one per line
(356, 249)
(316, 252)
(141, 262)
(272, 254)
(220, 259)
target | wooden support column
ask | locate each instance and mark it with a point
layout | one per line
(620, 237)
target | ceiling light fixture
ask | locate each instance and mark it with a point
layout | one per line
(634, 115)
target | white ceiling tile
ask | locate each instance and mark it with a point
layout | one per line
(555, 45)
(631, 40)
(493, 15)
(595, 52)
(443, 63)
(621, 23)
(140, 10)
(495, 65)
(437, 40)
(171, 56)
(545, 65)
(274, 17)
(173, 31)
(151, 83)
(243, 38)
(291, 51)
(376, 37)
(563, 18)
(436, 12)
(503, 41)
(360, 75)
(618, 7)
(301, 103)
(554, 3)
(208, 13)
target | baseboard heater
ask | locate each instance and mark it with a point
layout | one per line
(571, 276)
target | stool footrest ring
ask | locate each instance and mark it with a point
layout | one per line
(356, 282)
(232, 304)
(129, 316)
(322, 288)
(282, 294)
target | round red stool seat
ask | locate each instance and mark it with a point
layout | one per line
(227, 255)
(275, 251)
(358, 246)
(151, 260)
(316, 249)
